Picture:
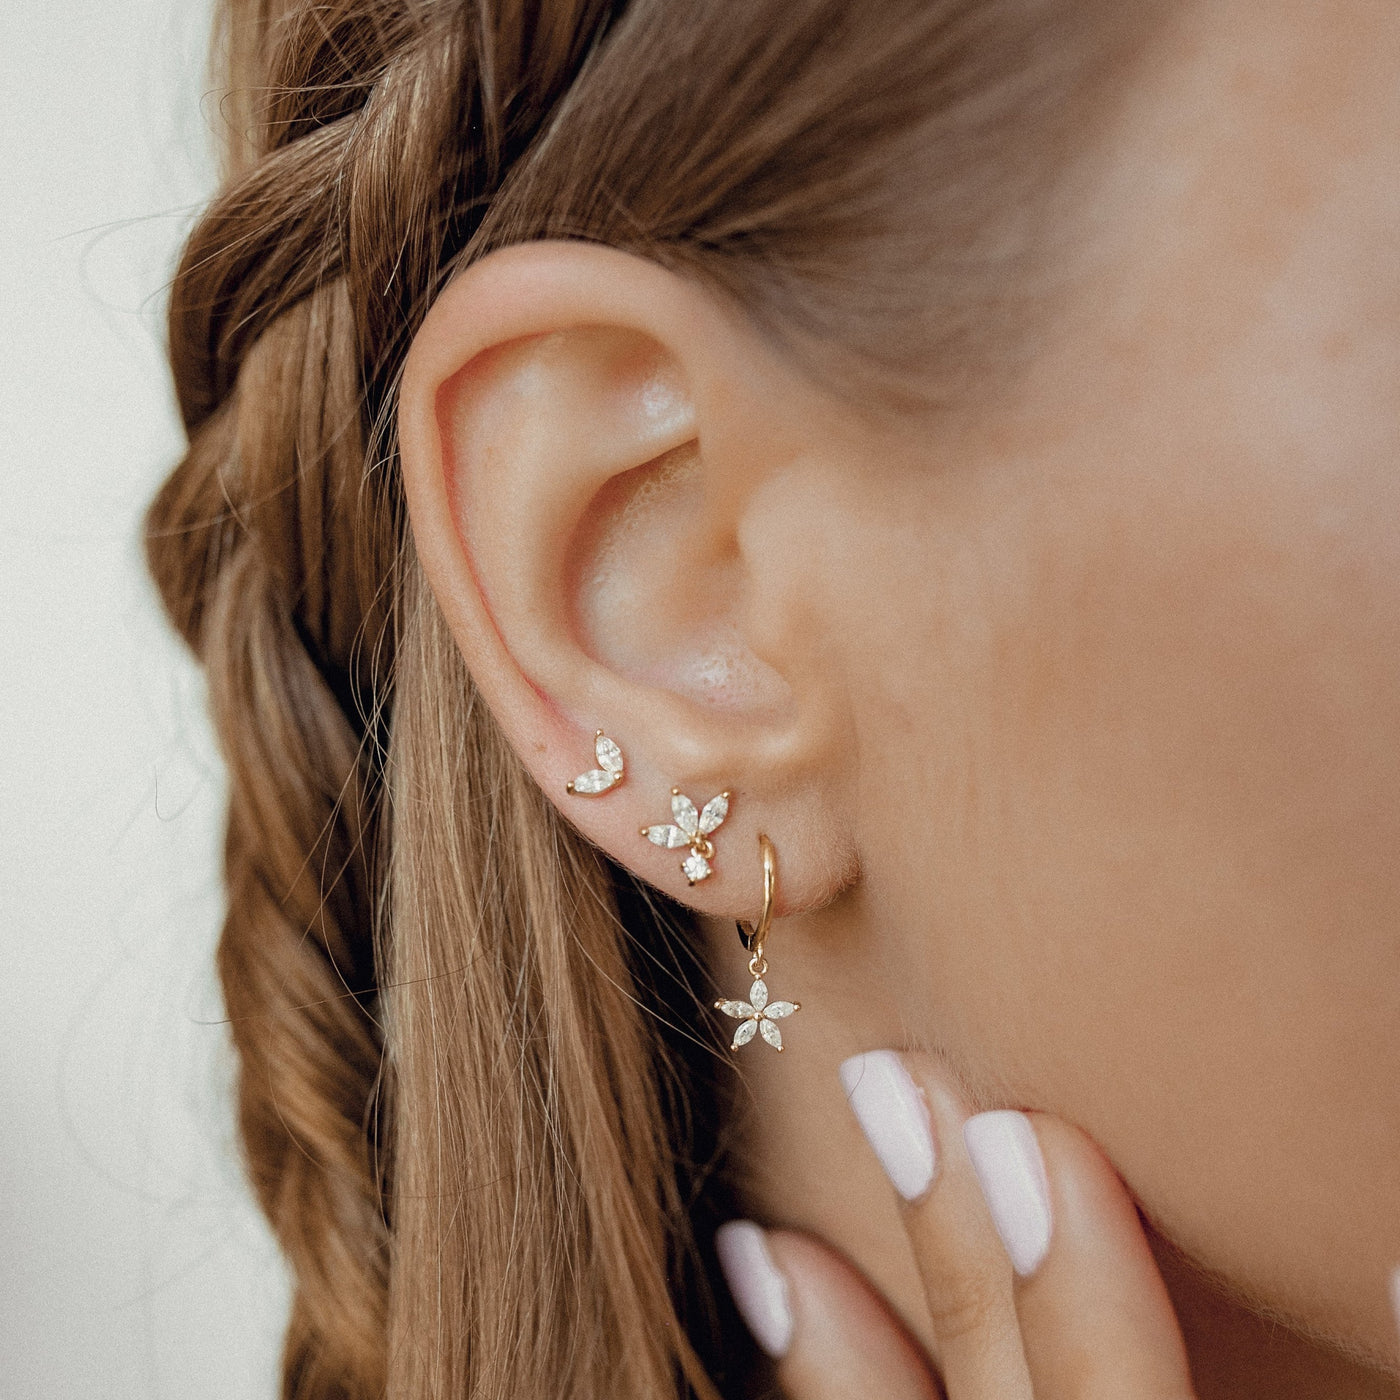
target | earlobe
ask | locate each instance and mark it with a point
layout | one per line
(580, 449)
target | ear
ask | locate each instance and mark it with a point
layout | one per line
(604, 470)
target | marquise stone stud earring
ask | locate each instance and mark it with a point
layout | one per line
(606, 776)
(691, 828)
(758, 1015)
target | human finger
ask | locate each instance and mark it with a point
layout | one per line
(912, 1118)
(832, 1335)
(1096, 1322)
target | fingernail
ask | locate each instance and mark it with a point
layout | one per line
(1006, 1157)
(759, 1289)
(1395, 1295)
(893, 1115)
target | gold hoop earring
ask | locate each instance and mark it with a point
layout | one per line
(758, 1015)
(606, 776)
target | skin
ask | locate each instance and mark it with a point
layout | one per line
(1093, 1320)
(1073, 717)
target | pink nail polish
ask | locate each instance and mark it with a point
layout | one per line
(759, 1289)
(893, 1115)
(1011, 1171)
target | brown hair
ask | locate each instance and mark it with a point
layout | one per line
(475, 1140)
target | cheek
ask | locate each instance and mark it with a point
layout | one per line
(1132, 804)
(1131, 708)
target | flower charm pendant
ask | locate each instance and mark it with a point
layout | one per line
(758, 1016)
(608, 773)
(693, 829)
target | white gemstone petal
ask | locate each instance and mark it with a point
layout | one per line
(770, 1033)
(758, 994)
(669, 836)
(696, 868)
(743, 1033)
(683, 810)
(593, 781)
(716, 809)
(776, 1010)
(741, 1010)
(608, 754)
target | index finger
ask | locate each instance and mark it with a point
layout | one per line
(913, 1121)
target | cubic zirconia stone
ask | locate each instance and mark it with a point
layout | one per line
(684, 813)
(608, 754)
(716, 809)
(672, 837)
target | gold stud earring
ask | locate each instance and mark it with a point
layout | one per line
(758, 1015)
(693, 829)
(606, 776)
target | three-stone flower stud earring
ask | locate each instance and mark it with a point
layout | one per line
(691, 828)
(758, 1015)
(606, 776)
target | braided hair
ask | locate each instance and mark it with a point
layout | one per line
(471, 1139)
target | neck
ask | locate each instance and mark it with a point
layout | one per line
(1237, 1354)
(805, 1166)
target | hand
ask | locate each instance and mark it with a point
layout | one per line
(1038, 1278)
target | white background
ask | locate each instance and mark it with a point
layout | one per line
(132, 1263)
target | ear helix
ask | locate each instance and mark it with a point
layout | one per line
(606, 776)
